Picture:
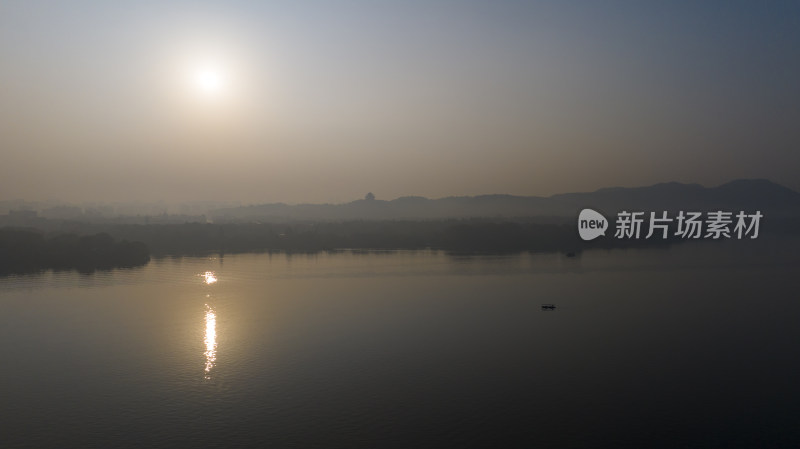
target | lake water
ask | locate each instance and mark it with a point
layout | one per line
(691, 346)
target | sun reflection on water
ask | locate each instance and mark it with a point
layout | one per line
(209, 277)
(210, 340)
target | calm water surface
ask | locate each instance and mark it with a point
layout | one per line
(693, 346)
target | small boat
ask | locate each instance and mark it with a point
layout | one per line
(548, 306)
(570, 254)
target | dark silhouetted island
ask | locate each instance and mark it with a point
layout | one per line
(457, 235)
(29, 250)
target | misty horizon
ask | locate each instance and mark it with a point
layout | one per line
(755, 194)
(9, 203)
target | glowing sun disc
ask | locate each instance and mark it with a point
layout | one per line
(209, 80)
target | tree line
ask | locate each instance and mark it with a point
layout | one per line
(467, 235)
(30, 250)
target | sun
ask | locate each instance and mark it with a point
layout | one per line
(209, 80)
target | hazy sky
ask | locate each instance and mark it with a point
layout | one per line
(326, 100)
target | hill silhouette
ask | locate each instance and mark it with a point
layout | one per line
(486, 223)
(750, 195)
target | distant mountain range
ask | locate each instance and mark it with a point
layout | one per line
(748, 195)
